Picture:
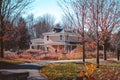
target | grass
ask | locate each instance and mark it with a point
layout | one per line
(109, 70)
(61, 71)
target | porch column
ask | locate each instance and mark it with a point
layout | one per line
(70, 48)
(64, 48)
(30, 46)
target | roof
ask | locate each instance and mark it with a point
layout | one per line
(57, 30)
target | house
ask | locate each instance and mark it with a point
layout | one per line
(57, 40)
(37, 44)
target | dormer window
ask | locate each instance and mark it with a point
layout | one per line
(47, 38)
(60, 37)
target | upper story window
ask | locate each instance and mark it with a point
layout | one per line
(47, 38)
(67, 37)
(60, 37)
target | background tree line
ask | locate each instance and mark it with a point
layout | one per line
(9, 12)
(19, 34)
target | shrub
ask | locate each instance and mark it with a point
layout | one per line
(89, 69)
(74, 56)
(11, 56)
(26, 56)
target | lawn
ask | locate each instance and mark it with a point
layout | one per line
(60, 71)
(108, 70)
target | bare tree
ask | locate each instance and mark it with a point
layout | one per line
(103, 19)
(76, 12)
(109, 20)
(66, 23)
(9, 10)
(101, 16)
(49, 20)
(44, 24)
(30, 24)
(93, 23)
(106, 16)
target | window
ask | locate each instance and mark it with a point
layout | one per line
(32, 47)
(38, 46)
(67, 37)
(47, 38)
(60, 37)
(47, 49)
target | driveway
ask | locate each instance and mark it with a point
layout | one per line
(32, 68)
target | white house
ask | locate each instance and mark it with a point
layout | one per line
(56, 40)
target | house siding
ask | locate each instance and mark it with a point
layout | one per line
(55, 44)
(55, 38)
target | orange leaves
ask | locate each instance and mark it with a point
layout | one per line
(102, 42)
(79, 48)
(81, 73)
(88, 71)
(91, 45)
(5, 38)
(113, 36)
(105, 34)
(104, 21)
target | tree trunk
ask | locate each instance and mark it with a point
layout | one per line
(83, 51)
(1, 47)
(1, 38)
(118, 54)
(97, 59)
(83, 34)
(1, 32)
(105, 51)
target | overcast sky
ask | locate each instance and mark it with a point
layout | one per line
(41, 7)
